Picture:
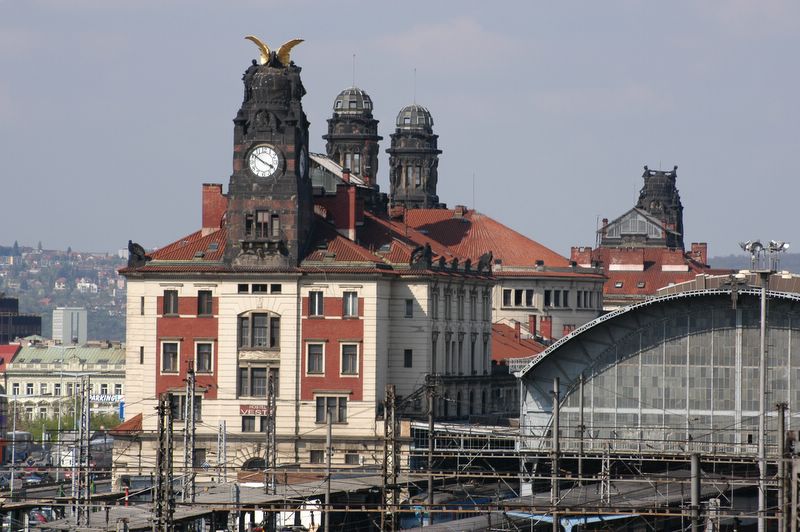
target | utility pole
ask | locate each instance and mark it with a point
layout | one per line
(783, 508)
(81, 488)
(795, 498)
(695, 490)
(163, 498)
(431, 440)
(189, 428)
(222, 460)
(270, 439)
(762, 412)
(556, 451)
(582, 430)
(390, 465)
(328, 453)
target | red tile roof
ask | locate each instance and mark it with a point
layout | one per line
(187, 247)
(473, 234)
(7, 353)
(640, 284)
(506, 343)
(128, 426)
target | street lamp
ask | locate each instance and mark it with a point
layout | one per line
(764, 269)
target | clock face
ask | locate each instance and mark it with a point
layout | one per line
(264, 161)
(303, 162)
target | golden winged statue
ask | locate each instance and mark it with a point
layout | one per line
(283, 52)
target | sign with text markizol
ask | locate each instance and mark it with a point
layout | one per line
(253, 410)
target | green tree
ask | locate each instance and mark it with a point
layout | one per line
(99, 421)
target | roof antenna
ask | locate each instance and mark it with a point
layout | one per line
(474, 205)
(354, 70)
(415, 86)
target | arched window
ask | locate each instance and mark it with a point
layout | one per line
(259, 330)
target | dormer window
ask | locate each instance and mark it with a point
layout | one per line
(338, 104)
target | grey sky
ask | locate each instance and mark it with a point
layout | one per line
(112, 114)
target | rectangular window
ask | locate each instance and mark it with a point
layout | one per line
(316, 456)
(435, 304)
(260, 288)
(203, 357)
(170, 302)
(518, 297)
(349, 359)
(244, 382)
(199, 458)
(460, 303)
(579, 298)
(314, 362)
(262, 224)
(260, 327)
(104, 389)
(15, 389)
(141, 305)
(356, 163)
(352, 459)
(409, 308)
(141, 354)
(448, 305)
(258, 377)
(408, 358)
(275, 288)
(178, 406)
(547, 300)
(204, 303)
(248, 224)
(243, 288)
(350, 303)
(42, 388)
(276, 226)
(565, 298)
(556, 298)
(118, 389)
(169, 357)
(487, 310)
(337, 406)
(69, 389)
(529, 298)
(506, 297)
(57, 389)
(315, 304)
(248, 423)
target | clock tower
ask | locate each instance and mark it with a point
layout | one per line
(414, 160)
(269, 216)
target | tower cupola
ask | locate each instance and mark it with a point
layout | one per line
(352, 139)
(414, 159)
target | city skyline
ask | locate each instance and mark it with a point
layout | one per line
(118, 113)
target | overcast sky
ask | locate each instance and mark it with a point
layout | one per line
(112, 114)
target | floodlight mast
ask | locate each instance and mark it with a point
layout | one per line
(764, 262)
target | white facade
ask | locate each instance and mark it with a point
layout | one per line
(70, 325)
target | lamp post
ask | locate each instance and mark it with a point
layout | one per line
(764, 261)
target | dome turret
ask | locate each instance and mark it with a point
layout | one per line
(414, 117)
(353, 101)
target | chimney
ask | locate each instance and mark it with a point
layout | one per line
(532, 324)
(459, 211)
(346, 175)
(214, 206)
(539, 265)
(546, 327)
(351, 211)
(700, 252)
(517, 332)
(397, 213)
